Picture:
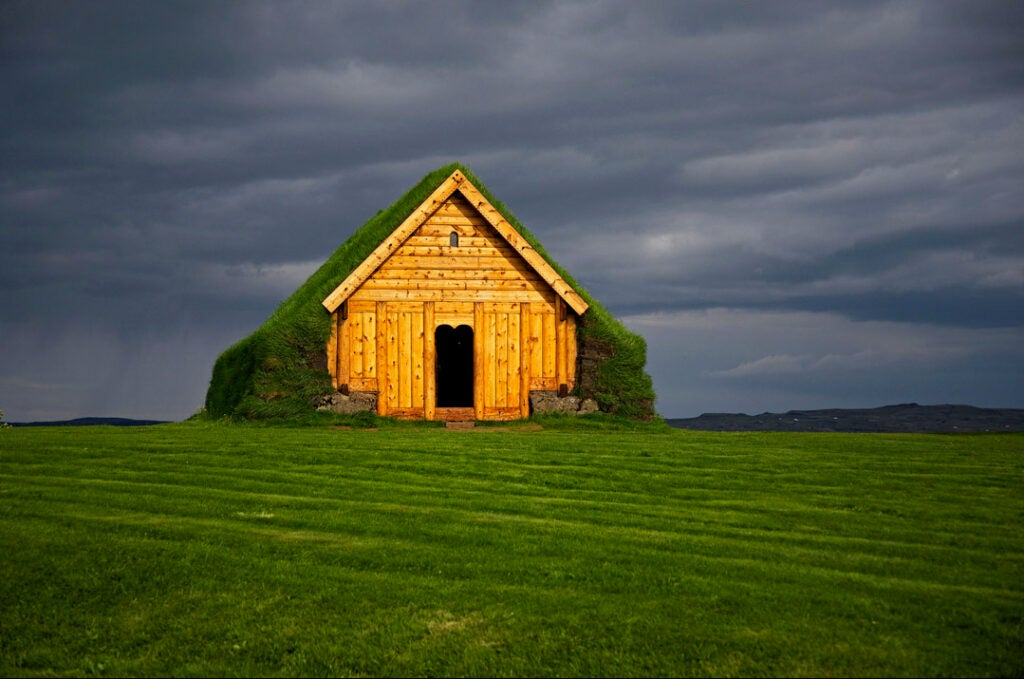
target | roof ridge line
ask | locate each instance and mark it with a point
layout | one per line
(457, 181)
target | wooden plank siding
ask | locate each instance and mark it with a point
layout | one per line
(524, 334)
(429, 207)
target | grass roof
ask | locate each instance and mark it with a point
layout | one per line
(280, 369)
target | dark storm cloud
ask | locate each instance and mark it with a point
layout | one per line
(170, 171)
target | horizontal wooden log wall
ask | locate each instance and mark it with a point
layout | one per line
(524, 335)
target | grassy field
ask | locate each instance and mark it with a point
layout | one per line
(210, 549)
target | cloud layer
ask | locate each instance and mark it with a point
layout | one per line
(169, 172)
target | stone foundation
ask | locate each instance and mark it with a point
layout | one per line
(542, 402)
(349, 404)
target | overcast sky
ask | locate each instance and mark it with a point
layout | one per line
(799, 205)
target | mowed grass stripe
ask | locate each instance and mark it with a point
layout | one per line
(718, 519)
(662, 547)
(424, 487)
(717, 527)
(232, 550)
(777, 540)
(758, 561)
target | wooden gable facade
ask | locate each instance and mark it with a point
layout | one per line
(454, 316)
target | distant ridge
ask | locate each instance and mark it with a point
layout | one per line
(904, 417)
(90, 422)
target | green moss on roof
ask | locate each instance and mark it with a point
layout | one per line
(280, 369)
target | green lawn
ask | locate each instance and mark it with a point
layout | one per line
(207, 549)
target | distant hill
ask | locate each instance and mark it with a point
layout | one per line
(905, 417)
(91, 421)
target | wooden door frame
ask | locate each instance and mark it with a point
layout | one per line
(434, 320)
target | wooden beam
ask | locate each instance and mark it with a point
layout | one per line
(439, 283)
(387, 273)
(443, 240)
(571, 350)
(485, 263)
(453, 314)
(560, 371)
(429, 362)
(419, 378)
(459, 250)
(362, 384)
(479, 363)
(515, 359)
(404, 362)
(525, 250)
(380, 360)
(357, 351)
(456, 182)
(501, 363)
(444, 295)
(525, 359)
(392, 242)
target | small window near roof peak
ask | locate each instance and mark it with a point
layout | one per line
(453, 239)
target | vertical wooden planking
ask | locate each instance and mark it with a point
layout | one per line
(429, 362)
(570, 348)
(400, 375)
(514, 360)
(479, 364)
(393, 366)
(526, 359)
(343, 364)
(384, 250)
(536, 340)
(395, 376)
(511, 341)
(484, 360)
(369, 344)
(354, 335)
(501, 344)
(559, 343)
(404, 353)
(523, 338)
(491, 357)
(381, 358)
(501, 359)
(417, 360)
(548, 341)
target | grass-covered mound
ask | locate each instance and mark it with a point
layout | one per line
(280, 369)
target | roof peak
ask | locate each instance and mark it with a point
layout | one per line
(456, 182)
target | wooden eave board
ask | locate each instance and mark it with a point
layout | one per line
(456, 182)
(392, 242)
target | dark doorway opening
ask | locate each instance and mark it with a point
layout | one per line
(454, 366)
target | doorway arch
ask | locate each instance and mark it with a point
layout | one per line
(454, 366)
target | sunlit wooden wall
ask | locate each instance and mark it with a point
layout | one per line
(524, 334)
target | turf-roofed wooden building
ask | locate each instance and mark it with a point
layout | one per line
(454, 316)
(441, 308)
